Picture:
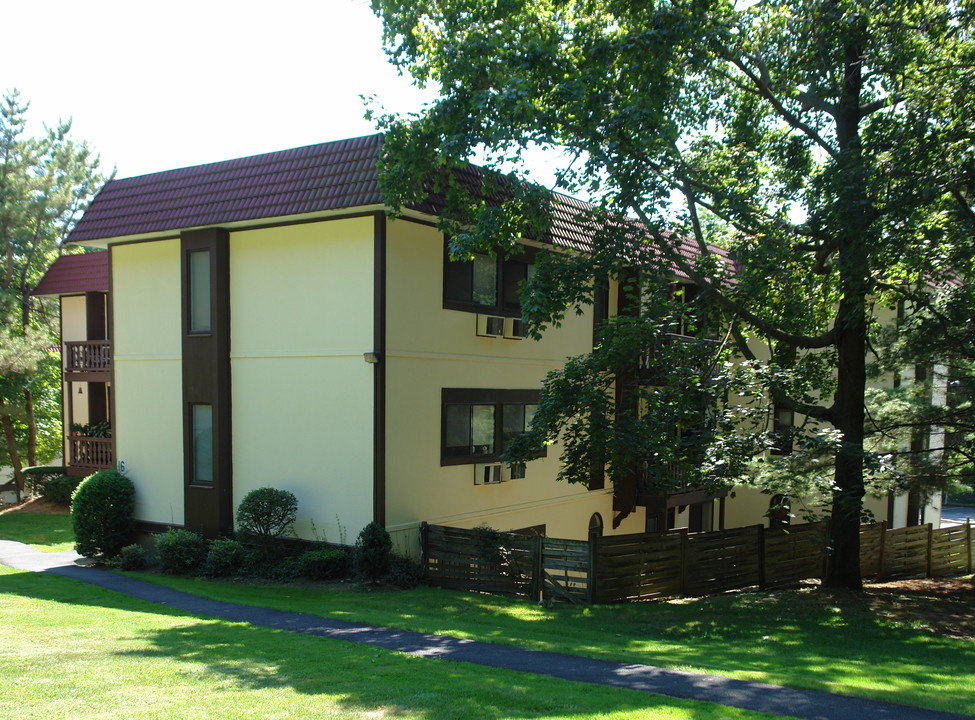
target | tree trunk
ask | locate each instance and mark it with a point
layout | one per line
(843, 563)
(31, 429)
(8, 431)
(853, 211)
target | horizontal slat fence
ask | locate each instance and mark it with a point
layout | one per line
(461, 560)
(626, 568)
(795, 555)
(723, 560)
(637, 567)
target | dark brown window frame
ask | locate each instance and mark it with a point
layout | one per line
(782, 433)
(500, 308)
(482, 396)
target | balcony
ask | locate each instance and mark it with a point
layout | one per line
(682, 492)
(90, 453)
(90, 360)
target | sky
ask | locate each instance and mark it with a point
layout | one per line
(159, 86)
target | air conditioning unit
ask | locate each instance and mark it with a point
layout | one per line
(513, 471)
(490, 326)
(487, 474)
(514, 328)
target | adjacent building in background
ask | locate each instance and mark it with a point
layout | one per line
(80, 283)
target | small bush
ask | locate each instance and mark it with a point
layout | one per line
(181, 551)
(101, 514)
(326, 564)
(132, 557)
(225, 557)
(373, 549)
(58, 490)
(404, 573)
(267, 512)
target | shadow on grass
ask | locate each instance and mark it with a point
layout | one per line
(354, 679)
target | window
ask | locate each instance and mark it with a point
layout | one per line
(782, 421)
(478, 422)
(202, 444)
(199, 285)
(486, 284)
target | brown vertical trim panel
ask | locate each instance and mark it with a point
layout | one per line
(379, 371)
(110, 336)
(208, 507)
(627, 398)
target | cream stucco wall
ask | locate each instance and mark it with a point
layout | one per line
(301, 314)
(148, 375)
(430, 348)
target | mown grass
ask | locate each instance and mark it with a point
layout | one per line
(797, 638)
(72, 650)
(801, 639)
(47, 533)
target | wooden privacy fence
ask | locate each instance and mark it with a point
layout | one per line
(623, 568)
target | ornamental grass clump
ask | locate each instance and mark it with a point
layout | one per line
(101, 514)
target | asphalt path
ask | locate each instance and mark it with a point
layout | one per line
(761, 697)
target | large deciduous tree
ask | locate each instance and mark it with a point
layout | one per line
(825, 145)
(45, 184)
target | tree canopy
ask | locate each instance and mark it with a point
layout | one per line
(825, 146)
(45, 185)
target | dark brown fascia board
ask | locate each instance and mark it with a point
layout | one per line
(259, 224)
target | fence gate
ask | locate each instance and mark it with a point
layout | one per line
(564, 570)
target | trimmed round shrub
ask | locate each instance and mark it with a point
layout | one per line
(101, 514)
(132, 557)
(225, 557)
(325, 564)
(58, 490)
(181, 551)
(267, 512)
(404, 573)
(373, 549)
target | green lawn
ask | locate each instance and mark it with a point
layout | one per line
(68, 649)
(800, 639)
(48, 533)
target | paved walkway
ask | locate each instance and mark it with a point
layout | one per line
(807, 704)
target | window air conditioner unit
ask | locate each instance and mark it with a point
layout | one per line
(514, 328)
(490, 326)
(487, 474)
(513, 471)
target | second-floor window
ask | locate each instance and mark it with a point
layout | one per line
(477, 423)
(486, 284)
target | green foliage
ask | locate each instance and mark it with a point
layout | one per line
(101, 514)
(826, 148)
(225, 557)
(45, 184)
(404, 573)
(58, 490)
(267, 513)
(326, 564)
(373, 550)
(132, 557)
(181, 551)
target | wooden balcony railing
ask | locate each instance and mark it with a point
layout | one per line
(90, 356)
(90, 452)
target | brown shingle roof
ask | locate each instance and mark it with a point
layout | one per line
(330, 176)
(72, 274)
(316, 178)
